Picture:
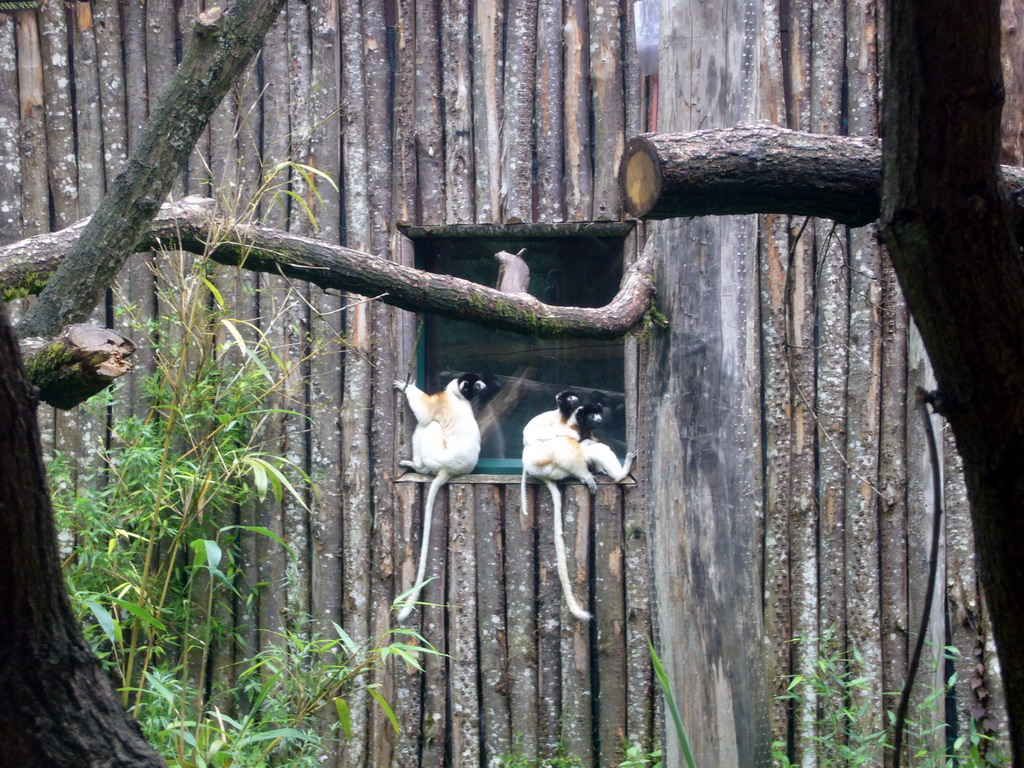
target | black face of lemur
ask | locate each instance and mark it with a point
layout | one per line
(470, 385)
(567, 401)
(589, 416)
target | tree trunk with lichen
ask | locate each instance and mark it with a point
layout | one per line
(57, 706)
(945, 212)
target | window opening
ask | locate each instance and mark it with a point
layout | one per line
(573, 264)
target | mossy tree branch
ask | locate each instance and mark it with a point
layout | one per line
(193, 225)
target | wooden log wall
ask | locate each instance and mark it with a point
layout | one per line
(782, 475)
(424, 112)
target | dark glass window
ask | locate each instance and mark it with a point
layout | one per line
(578, 264)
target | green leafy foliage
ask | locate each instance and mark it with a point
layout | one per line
(841, 737)
(153, 562)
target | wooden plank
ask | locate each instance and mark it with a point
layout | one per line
(608, 105)
(495, 723)
(579, 172)
(517, 117)
(462, 628)
(488, 64)
(521, 612)
(404, 148)
(549, 115)
(577, 699)
(611, 617)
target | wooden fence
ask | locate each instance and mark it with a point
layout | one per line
(491, 111)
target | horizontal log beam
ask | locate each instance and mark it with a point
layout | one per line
(193, 225)
(760, 168)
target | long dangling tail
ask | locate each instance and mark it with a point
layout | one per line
(522, 496)
(563, 567)
(410, 600)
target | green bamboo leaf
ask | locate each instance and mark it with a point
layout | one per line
(104, 619)
(670, 699)
(344, 716)
(384, 706)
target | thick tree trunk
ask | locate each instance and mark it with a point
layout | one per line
(57, 707)
(946, 214)
(221, 48)
(190, 225)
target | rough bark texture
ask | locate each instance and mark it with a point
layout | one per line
(57, 706)
(698, 394)
(188, 225)
(81, 361)
(221, 49)
(944, 212)
(757, 168)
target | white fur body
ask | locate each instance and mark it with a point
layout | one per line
(445, 443)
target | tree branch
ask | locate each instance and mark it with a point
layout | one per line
(761, 168)
(192, 225)
(222, 45)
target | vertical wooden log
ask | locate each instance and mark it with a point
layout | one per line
(609, 108)
(436, 669)
(517, 117)
(35, 213)
(377, 76)
(862, 428)
(610, 615)
(1011, 50)
(275, 306)
(462, 609)
(431, 191)
(892, 484)
(296, 516)
(774, 264)
(921, 509)
(639, 630)
(549, 114)
(488, 26)
(61, 160)
(495, 725)
(106, 17)
(408, 682)
(357, 383)
(832, 299)
(578, 166)
(325, 340)
(138, 288)
(88, 109)
(549, 657)
(576, 715)
(404, 149)
(701, 440)
(458, 112)
(10, 131)
(523, 629)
